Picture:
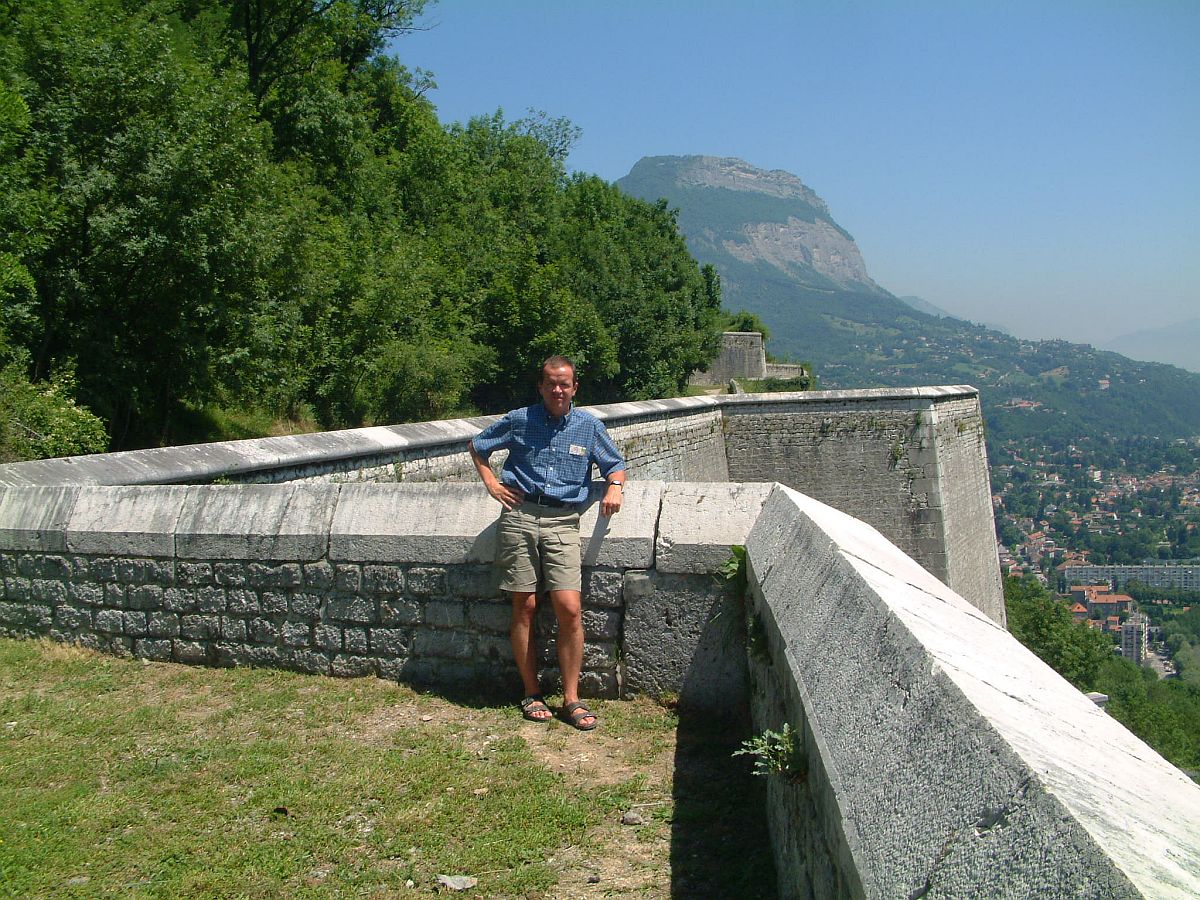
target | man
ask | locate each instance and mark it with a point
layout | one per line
(551, 448)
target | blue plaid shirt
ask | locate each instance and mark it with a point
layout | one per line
(550, 456)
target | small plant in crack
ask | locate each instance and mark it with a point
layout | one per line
(776, 753)
(733, 570)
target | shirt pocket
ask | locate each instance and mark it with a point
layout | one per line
(571, 468)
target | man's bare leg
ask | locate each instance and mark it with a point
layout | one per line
(568, 609)
(520, 633)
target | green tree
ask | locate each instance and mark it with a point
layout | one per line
(1044, 625)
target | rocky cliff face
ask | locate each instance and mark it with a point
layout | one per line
(729, 207)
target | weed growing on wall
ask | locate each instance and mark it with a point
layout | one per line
(775, 753)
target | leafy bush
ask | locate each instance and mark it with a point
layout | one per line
(38, 421)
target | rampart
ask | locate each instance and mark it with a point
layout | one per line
(743, 355)
(936, 756)
(909, 461)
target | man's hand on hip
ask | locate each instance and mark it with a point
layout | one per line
(510, 498)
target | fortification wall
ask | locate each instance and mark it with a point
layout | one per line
(882, 456)
(389, 580)
(936, 756)
(741, 356)
(872, 453)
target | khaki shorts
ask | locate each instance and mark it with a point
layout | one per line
(538, 543)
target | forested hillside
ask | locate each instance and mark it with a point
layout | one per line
(217, 210)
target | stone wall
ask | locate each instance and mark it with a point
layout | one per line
(349, 580)
(876, 454)
(890, 457)
(936, 756)
(741, 356)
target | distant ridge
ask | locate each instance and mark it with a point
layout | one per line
(1177, 344)
(731, 210)
(781, 255)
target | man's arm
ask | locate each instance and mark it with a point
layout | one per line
(509, 498)
(614, 494)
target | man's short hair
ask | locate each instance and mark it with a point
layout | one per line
(557, 362)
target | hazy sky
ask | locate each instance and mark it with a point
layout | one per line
(1030, 164)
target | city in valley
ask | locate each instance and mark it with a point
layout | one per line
(1112, 527)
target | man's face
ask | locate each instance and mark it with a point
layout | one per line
(557, 386)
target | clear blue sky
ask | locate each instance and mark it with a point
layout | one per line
(1031, 164)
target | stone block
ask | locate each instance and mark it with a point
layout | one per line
(327, 637)
(399, 612)
(263, 631)
(192, 652)
(257, 522)
(55, 568)
(494, 648)
(390, 641)
(347, 578)
(318, 576)
(355, 640)
(626, 540)
(473, 582)
(179, 600)
(307, 606)
(414, 523)
(126, 520)
(683, 634)
(72, 618)
(242, 602)
(445, 615)
(447, 644)
(345, 666)
(18, 589)
(135, 623)
(35, 518)
(109, 621)
(699, 523)
(211, 599)
(145, 596)
(602, 587)
(194, 573)
(350, 609)
(43, 590)
(426, 582)
(162, 625)
(231, 574)
(199, 627)
(159, 651)
(384, 580)
(275, 603)
(296, 634)
(233, 630)
(309, 661)
(495, 617)
(602, 624)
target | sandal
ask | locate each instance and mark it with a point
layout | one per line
(574, 714)
(534, 704)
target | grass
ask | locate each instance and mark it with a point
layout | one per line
(125, 778)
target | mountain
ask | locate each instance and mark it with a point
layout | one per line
(925, 306)
(1177, 344)
(733, 212)
(781, 255)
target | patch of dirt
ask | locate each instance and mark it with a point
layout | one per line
(613, 859)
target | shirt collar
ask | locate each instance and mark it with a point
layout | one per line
(565, 420)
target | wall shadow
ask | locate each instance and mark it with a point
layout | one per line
(720, 845)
